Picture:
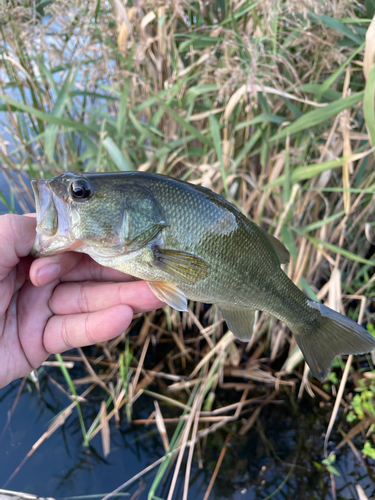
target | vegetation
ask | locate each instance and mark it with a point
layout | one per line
(269, 103)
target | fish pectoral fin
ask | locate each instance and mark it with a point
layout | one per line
(145, 237)
(281, 252)
(240, 322)
(184, 266)
(169, 293)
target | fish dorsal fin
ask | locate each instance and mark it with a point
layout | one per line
(281, 252)
(240, 321)
(169, 293)
(183, 266)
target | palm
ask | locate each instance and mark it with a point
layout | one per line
(22, 325)
(82, 304)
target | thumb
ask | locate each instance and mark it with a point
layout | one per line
(17, 235)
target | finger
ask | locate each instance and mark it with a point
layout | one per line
(88, 269)
(72, 266)
(17, 235)
(45, 270)
(31, 318)
(78, 330)
(13, 282)
(69, 298)
(7, 290)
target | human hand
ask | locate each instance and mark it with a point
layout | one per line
(55, 303)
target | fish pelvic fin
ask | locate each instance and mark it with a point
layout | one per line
(334, 334)
(240, 321)
(169, 294)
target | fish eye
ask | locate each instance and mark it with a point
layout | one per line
(80, 189)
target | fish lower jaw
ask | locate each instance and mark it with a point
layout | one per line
(44, 246)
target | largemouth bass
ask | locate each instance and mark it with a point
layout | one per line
(189, 243)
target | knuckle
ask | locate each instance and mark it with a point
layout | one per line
(120, 295)
(99, 270)
(51, 304)
(7, 222)
(65, 336)
(7, 229)
(93, 269)
(83, 302)
(88, 332)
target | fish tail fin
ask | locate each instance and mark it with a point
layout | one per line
(334, 334)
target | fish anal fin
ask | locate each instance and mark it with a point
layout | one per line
(183, 266)
(169, 293)
(240, 321)
(281, 252)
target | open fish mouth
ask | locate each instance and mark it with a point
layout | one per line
(53, 221)
(47, 216)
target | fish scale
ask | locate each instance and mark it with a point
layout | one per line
(189, 243)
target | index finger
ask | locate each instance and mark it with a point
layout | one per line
(17, 235)
(72, 266)
(89, 296)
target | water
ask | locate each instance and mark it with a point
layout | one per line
(62, 466)
(254, 466)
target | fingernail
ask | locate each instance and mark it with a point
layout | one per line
(47, 274)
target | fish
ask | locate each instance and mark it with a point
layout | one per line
(189, 243)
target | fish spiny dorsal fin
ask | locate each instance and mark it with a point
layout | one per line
(281, 252)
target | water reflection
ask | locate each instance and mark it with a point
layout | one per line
(283, 442)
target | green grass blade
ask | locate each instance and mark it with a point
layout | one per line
(198, 42)
(169, 92)
(47, 74)
(215, 133)
(310, 171)
(93, 95)
(117, 156)
(315, 88)
(369, 190)
(49, 118)
(122, 113)
(317, 116)
(74, 393)
(368, 105)
(263, 118)
(3, 200)
(144, 131)
(340, 27)
(341, 251)
(96, 421)
(320, 223)
(58, 109)
(197, 91)
(248, 147)
(332, 78)
(186, 125)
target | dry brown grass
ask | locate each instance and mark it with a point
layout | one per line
(154, 84)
